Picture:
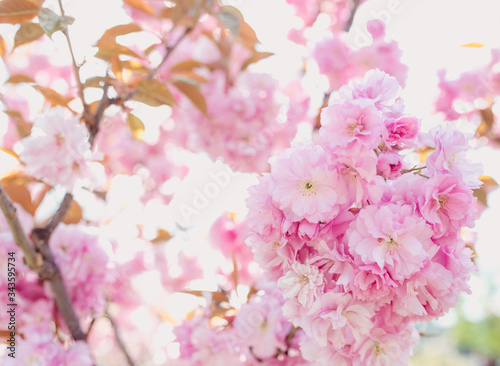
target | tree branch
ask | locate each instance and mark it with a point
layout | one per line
(169, 50)
(32, 258)
(101, 108)
(119, 340)
(348, 25)
(59, 215)
(39, 258)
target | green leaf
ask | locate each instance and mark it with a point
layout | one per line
(51, 22)
(231, 18)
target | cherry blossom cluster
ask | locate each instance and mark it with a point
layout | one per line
(153, 160)
(58, 151)
(248, 119)
(362, 243)
(473, 90)
(84, 263)
(256, 334)
(228, 237)
(337, 12)
(340, 62)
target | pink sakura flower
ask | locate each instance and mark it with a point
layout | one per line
(337, 317)
(228, 237)
(58, 151)
(303, 281)
(253, 102)
(372, 285)
(387, 347)
(447, 204)
(401, 132)
(393, 237)
(449, 155)
(383, 89)
(263, 215)
(304, 187)
(262, 327)
(351, 124)
(359, 172)
(333, 57)
(389, 164)
(201, 345)
(83, 259)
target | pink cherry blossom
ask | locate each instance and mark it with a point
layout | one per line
(58, 151)
(446, 204)
(393, 237)
(351, 124)
(305, 187)
(303, 281)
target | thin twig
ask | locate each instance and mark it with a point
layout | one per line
(60, 214)
(169, 50)
(64, 305)
(348, 24)
(76, 68)
(119, 340)
(101, 108)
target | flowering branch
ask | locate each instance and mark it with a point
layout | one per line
(119, 340)
(39, 258)
(60, 213)
(33, 259)
(351, 17)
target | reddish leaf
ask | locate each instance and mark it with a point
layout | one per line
(247, 35)
(154, 93)
(110, 49)
(257, 56)
(23, 127)
(16, 79)
(216, 296)
(140, 5)
(162, 236)
(473, 45)
(136, 126)
(187, 65)
(74, 214)
(19, 193)
(10, 152)
(119, 30)
(194, 95)
(52, 96)
(3, 47)
(19, 11)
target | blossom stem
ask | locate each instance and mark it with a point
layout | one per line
(119, 340)
(76, 68)
(403, 171)
(351, 17)
(60, 214)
